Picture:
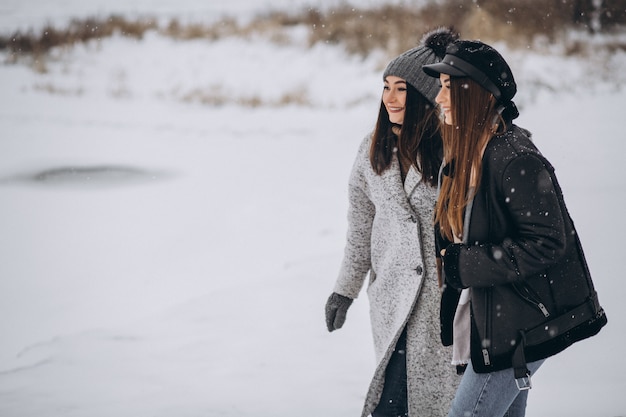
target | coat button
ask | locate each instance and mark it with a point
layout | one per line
(419, 270)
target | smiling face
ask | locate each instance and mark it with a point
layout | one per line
(394, 98)
(443, 98)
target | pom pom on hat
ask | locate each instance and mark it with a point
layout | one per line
(438, 40)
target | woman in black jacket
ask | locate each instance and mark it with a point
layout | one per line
(506, 240)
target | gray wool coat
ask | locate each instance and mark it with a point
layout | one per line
(390, 237)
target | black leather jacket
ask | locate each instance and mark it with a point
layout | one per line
(523, 261)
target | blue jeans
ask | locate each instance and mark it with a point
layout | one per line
(494, 394)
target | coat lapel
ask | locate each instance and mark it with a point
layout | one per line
(393, 183)
(413, 177)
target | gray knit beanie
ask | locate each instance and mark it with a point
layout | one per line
(408, 65)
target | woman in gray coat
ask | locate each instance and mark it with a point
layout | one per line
(392, 191)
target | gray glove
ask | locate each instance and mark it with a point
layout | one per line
(336, 310)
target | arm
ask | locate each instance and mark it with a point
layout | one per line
(537, 231)
(357, 254)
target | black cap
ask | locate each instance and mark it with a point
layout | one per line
(480, 62)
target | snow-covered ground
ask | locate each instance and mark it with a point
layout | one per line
(164, 257)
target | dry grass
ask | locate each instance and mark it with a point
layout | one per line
(78, 31)
(52, 89)
(392, 28)
(226, 27)
(213, 96)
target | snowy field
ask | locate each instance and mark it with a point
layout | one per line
(162, 257)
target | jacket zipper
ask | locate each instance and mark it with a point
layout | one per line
(531, 297)
(487, 331)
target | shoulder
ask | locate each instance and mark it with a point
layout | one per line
(362, 166)
(366, 143)
(516, 142)
(363, 153)
(512, 151)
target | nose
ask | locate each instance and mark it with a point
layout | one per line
(439, 99)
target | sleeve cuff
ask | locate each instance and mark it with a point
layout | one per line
(451, 266)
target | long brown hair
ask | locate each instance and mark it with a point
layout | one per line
(476, 119)
(419, 142)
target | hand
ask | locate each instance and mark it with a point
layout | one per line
(336, 310)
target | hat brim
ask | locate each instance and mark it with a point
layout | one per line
(457, 67)
(434, 70)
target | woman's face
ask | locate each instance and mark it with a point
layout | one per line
(394, 98)
(443, 98)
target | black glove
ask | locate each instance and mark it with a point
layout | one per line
(450, 267)
(336, 310)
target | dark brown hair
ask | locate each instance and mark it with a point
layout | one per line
(475, 119)
(419, 142)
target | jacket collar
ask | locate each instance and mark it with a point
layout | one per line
(400, 192)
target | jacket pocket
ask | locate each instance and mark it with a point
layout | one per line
(531, 297)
